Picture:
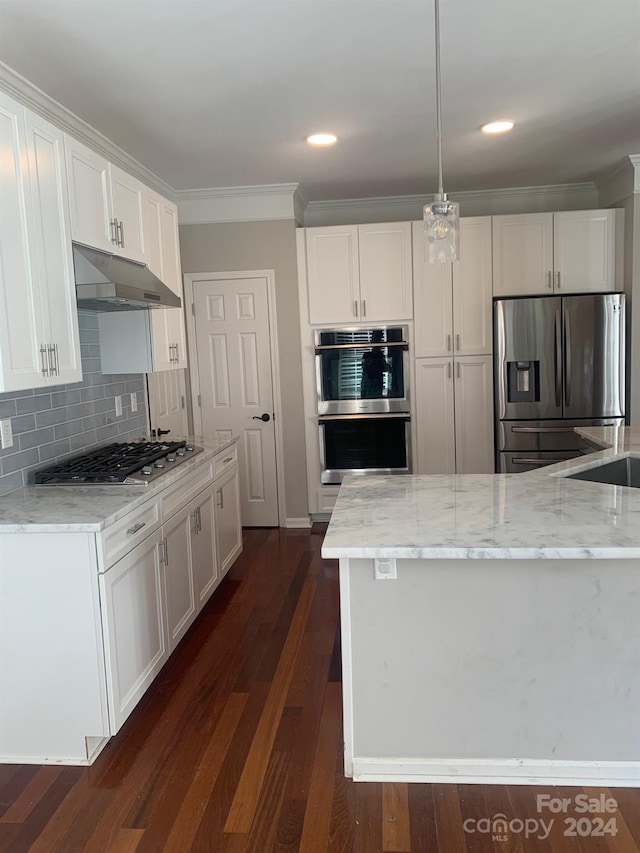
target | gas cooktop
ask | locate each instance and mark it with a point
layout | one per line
(133, 463)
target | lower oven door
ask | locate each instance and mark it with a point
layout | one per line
(352, 444)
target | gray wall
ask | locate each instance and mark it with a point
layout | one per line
(229, 246)
(54, 422)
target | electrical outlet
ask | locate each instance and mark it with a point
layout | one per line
(118, 406)
(134, 402)
(6, 434)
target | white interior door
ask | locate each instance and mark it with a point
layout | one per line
(233, 364)
(167, 401)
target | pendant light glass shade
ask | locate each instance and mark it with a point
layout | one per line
(441, 231)
(441, 216)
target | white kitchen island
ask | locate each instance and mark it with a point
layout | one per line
(491, 626)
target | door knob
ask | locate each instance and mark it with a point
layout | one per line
(163, 432)
(264, 417)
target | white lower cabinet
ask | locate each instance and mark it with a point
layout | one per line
(134, 627)
(175, 555)
(203, 548)
(454, 415)
(227, 519)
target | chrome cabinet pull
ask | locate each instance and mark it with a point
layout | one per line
(228, 459)
(448, 343)
(355, 308)
(51, 358)
(458, 367)
(558, 274)
(449, 371)
(163, 556)
(170, 353)
(458, 343)
(177, 356)
(113, 227)
(43, 359)
(199, 519)
(136, 527)
(221, 504)
(194, 522)
(55, 348)
(549, 280)
(364, 307)
(121, 240)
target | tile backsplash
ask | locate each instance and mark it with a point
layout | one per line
(58, 421)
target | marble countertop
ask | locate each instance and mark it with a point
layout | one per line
(539, 514)
(55, 509)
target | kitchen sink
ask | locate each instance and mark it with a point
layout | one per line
(620, 472)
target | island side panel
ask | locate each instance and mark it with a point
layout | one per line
(493, 670)
(52, 681)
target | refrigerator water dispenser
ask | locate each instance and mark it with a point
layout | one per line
(523, 381)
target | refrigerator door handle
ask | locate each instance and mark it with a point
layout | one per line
(567, 359)
(557, 353)
(542, 429)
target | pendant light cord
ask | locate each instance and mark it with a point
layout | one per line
(438, 100)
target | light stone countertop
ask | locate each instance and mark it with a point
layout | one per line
(534, 515)
(58, 509)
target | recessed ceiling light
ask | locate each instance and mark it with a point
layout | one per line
(500, 126)
(322, 139)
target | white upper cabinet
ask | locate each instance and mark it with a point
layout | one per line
(452, 301)
(39, 338)
(333, 274)
(359, 273)
(150, 341)
(584, 251)
(570, 252)
(106, 204)
(89, 197)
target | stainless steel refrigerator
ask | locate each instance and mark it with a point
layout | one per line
(558, 363)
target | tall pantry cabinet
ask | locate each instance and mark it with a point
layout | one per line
(453, 393)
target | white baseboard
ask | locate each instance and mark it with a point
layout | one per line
(499, 771)
(304, 522)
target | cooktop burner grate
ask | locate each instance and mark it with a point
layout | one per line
(113, 463)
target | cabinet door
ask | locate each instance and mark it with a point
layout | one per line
(51, 245)
(333, 274)
(522, 254)
(434, 416)
(472, 289)
(474, 415)
(172, 277)
(384, 252)
(126, 203)
(584, 250)
(433, 302)
(131, 601)
(228, 530)
(21, 319)
(178, 578)
(152, 209)
(89, 196)
(203, 548)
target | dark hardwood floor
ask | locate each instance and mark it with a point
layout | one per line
(237, 747)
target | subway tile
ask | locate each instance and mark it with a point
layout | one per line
(106, 432)
(7, 408)
(65, 398)
(82, 410)
(37, 403)
(36, 437)
(10, 482)
(89, 336)
(94, 350)
(83, 440)
(112, 389)
(12, 395)
(70, 428)
(90, 365)
(106, 405)
(96, 379)
(53, 416)
(55, 449)
(87, 319)
(94, 393)
(93, 422)
(20, 460)
(23, 423)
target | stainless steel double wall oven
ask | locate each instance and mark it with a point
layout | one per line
(362, 378)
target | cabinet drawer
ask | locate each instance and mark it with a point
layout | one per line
(327, 499)
(193, 482)
(119, 538)
(225, 460)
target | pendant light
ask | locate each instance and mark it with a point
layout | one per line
(441, 216)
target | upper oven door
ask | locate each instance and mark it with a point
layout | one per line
(362, 371)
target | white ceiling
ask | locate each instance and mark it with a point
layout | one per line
(214, 93)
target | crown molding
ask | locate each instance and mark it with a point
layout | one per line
(240, 204)
(472, 203)
(619, 181)
(300, 204)
(35, 99)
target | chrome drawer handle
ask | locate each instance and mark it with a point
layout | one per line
(228, 459)
(137, 527)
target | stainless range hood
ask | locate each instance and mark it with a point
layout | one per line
(105, 282)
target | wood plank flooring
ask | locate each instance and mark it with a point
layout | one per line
(237, 747)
